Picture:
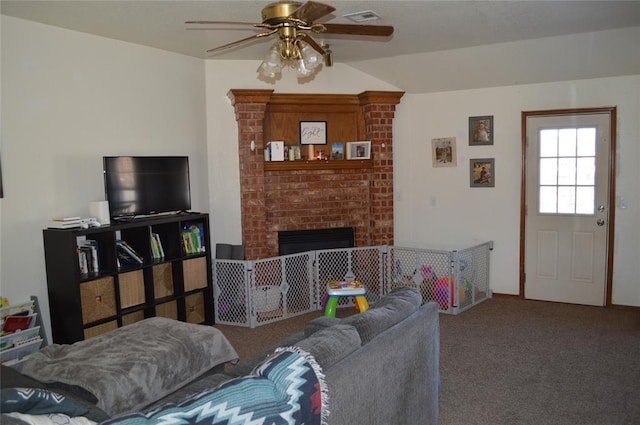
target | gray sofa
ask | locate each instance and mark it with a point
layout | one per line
(378, 367)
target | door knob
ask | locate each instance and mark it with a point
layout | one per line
(600, 222)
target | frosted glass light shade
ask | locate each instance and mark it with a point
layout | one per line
(271, 66)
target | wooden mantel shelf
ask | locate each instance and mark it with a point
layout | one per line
(318, 165)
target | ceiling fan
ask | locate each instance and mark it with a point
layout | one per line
(292, 22)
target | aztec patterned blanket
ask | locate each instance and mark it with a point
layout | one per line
(287, 388)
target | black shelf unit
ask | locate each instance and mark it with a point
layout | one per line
(178, 286)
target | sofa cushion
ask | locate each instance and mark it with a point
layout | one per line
(389, 310)
(287, 388)
(246, 366)
(319, 323)
(331, 345)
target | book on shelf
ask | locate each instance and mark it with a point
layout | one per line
(66, 219)
(193, 238)
(127, 256)
(131, 251)
(82, 261)
(18, 323)
(89, 252)
(156, 246)
(21, 309)
(64, 223)
(18, 338)
(20, 334)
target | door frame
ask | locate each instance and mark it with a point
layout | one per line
(612, 111)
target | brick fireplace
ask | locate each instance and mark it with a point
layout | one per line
(314, 194)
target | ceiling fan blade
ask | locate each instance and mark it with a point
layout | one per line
(351, 29)
(311, 42)
(237, 42)
(312, 10)
(219, 23)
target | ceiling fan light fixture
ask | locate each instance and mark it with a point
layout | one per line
(312, 59)
(271, 66)
(292, 22)
(302, 69)
(328, 57)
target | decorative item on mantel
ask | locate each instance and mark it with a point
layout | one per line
(337, 151)
(359, 150)
(274, 151)
(295, 153)
(313, 132)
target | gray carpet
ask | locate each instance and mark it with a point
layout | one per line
(515, 362)
(509, 361)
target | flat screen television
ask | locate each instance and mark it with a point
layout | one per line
(146, 185)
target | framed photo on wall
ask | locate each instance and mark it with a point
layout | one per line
(482, 172)
(481, 130)
(443, 152)
(313, 132)
(359, 150)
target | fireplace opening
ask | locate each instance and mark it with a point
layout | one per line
(294, 241)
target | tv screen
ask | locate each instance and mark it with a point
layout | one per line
(145, 185)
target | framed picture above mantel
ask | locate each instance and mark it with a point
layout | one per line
(313, 132)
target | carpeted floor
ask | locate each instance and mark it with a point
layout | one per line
(511, 362)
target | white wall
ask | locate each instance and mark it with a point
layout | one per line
(69, 98)
(435, 207)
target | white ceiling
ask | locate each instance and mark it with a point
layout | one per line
(420, 26)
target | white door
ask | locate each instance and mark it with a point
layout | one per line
(567, 207)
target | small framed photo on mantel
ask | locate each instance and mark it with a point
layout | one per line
(337, 151)
(359, 150)
(313, 132)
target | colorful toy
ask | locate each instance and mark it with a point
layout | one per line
(464, 291)
(442, 288)
(428, 273)
(337, 289)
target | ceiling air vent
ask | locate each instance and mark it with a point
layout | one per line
(367, 15)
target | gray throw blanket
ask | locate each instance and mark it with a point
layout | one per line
(135, 365)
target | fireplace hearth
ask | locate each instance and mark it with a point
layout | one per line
(294, 241)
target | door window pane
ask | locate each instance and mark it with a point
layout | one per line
(585, 200)
(566, 200)
(548, 143)
(548, 171)
(547, 199)
(587, 141)
(567, 142)
(586, 171)
(567, 170)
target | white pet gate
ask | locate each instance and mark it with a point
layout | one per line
(252, 293)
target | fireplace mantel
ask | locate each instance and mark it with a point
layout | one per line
(281, 196)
